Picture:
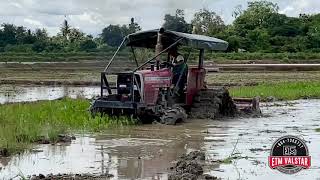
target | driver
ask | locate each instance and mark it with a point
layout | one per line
(179, 70)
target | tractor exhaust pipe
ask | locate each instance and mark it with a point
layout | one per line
(159, 47)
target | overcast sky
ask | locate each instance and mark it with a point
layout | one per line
(92, 15)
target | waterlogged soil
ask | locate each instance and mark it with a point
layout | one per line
(148, 151)
(21, 86)
(22, 93)
(88, 73)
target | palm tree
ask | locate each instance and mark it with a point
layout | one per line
(65, 29)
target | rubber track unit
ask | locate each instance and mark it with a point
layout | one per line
(213, 103)
(172, 116)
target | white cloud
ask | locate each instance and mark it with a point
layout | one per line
(296, 7)
(286, 10)
(33, 22)
(92, 15)
(91, 18)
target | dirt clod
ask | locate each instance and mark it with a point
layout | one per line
(271, 99)
(194, 155)
(258, 149)
(42, 140)
(62, 138)
(272, 131)
(4, 152)
(189, 166)
(208, 177)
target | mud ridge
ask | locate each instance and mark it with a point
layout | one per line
(71, 176)
(4, 152)
(45, 82)
(62, 138)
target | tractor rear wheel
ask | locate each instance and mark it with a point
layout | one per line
(172, 116)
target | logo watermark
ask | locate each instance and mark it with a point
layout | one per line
(289, 154)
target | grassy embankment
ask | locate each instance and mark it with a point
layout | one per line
(125, 55)
(23, 123)
(282, 57)
(280, 91)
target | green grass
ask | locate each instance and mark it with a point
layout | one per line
(21, 124)
(318, 130)
(281, 91)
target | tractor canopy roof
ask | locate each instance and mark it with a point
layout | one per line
(148, 39)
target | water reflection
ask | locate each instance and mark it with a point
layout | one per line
(12, 93)
(136, 152)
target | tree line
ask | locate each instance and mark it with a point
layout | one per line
(259, 28)
(20, 39)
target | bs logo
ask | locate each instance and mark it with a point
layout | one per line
(289, 154)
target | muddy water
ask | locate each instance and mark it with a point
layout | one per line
(147, 151)
(18, 93)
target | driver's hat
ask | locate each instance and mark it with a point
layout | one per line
(179, 58)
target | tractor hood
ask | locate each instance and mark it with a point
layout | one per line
(148, 39)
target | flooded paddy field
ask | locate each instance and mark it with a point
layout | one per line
(88, 74)
(147, 151)
(24, 93)
(89, 78)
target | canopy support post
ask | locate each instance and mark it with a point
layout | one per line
(114, 55)
(134, 56)
(201, 57)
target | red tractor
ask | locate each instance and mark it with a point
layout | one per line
(148, 92)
